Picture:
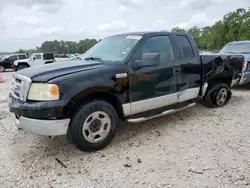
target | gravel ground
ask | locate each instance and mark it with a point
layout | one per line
(198, 147)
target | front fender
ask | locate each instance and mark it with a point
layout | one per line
(76, 85)
(76, 90)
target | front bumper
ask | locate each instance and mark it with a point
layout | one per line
(43, 127)
(47, 110)
(43, 118)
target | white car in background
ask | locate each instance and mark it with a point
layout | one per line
(35, 59)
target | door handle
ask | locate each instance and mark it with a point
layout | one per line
(176, 69)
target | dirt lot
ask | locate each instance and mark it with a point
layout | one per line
(198, 147)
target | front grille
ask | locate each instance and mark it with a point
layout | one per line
(20, 87)
(15, 90)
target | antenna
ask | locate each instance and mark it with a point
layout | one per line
(65, 32)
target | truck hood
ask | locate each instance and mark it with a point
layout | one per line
(47, 72)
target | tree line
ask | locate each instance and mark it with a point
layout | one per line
(61, 47)
(232, 27)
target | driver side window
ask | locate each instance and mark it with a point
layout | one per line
(13, 58)
(157, 44)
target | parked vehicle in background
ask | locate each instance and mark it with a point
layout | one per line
(75, 57)
(206, 53)
(242, 48)
(61, 56)
(35, 59)
(133, 77)
(6, 62)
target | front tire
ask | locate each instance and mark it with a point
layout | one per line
(217, 95)
(20, 67)
(94, 125)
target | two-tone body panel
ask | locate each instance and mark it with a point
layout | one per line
(176, 79)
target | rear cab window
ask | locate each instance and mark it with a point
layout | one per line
(48, 56)
(186, 50)
(237, 48)
(13, 58)
(22, 57)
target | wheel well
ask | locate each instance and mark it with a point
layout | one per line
(48, 62)
(108, 97)
(19, 64)
(226, 79)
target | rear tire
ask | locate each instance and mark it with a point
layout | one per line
(20, 67)
(217, 95)
(94, 125)
(2, 68)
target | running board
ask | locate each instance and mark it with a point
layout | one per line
(141, 119)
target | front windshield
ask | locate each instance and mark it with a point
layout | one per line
(113, 49)
(239, 48)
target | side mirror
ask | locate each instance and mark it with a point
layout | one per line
(34, 58)
(148, 60)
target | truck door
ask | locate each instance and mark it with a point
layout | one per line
(38, 60)
(190, 69)
(12, 59)
(154, 87)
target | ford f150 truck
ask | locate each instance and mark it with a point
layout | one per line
(133, 77)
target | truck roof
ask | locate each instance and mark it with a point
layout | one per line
(241, 41)
(16, 54)
(151, 33)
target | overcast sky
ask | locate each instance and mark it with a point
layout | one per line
(26, 24)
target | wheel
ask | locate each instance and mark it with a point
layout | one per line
(20, 67)
(217, 95)
(2, 68)
(94, 125)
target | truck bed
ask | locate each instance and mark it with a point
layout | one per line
(218, 62)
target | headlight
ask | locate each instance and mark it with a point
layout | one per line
(43, 92)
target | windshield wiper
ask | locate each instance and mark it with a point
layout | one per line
(94, 59)
(229, 52)
(244, 52)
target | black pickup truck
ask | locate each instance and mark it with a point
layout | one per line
(7, 62)
(133, 77)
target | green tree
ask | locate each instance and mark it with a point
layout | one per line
(196, 33)
(21, 51)
(177, 29)
(232, 27)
